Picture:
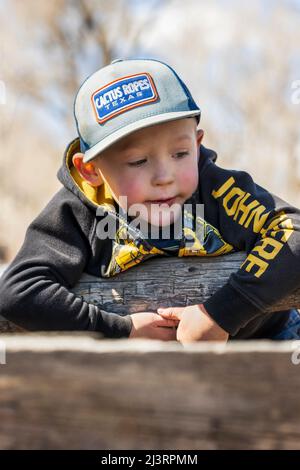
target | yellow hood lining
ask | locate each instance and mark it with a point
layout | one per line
(100, 195)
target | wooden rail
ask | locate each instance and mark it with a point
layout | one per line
(163, 282)
(76, 392)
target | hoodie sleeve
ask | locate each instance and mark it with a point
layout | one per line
(34, 290)
(253, 220)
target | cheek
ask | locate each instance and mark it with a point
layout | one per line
(188, 178)
(134, 190)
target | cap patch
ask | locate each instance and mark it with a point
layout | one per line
(123, 94)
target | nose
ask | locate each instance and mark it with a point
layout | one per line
(162, 174)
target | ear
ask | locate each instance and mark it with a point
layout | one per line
(88, 171)
(200, 134)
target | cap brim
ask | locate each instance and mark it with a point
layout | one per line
(126, 130)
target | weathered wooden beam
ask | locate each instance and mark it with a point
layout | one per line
(166, 282)
(163, 282)
(75, 392)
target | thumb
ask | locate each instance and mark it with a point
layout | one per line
(170, 312)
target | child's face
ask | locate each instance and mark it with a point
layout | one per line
(153, 164)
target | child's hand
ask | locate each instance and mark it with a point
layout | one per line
(153, 326)
(195, 324)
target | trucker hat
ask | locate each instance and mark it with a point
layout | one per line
(125, 96)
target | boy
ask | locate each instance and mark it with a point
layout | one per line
(139, 146)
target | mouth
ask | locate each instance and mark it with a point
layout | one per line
(168, 201)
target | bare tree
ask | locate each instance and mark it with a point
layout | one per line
(239, 61)
(46, 50)
(68, 39)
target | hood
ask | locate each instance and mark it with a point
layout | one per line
(91, 196)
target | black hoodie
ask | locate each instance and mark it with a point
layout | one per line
(62, 243)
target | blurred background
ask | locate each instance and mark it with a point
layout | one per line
(240, 60)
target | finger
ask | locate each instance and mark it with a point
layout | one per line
(169, 322)
(166, 334)
(171, 314)
(170, 309)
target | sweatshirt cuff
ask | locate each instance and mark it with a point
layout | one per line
(230, 309)
(113, 325)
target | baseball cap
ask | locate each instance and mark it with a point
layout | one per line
(125, 96)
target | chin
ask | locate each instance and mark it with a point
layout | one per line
(163, 218)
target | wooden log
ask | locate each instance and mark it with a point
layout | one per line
(75, 392)
(163, 282)
(167, 282)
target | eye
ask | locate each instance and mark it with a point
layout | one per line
(181, 154)
(137, 163)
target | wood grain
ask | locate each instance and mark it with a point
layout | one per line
(167, 282)
(162, 282)
(76, 392)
